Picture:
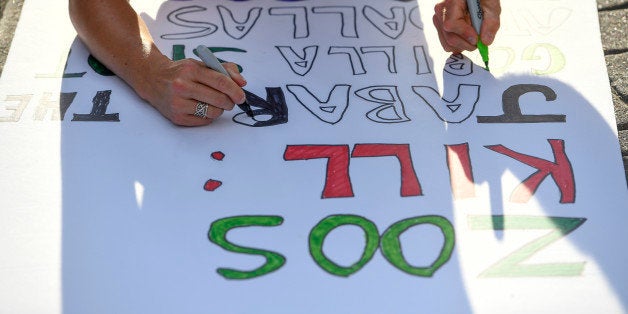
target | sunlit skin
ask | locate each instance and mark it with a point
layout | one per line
(456, 34)
(120, 39)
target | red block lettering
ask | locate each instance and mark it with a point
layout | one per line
(460, 172)
(337, 181)
(410, 185)
(560, 170)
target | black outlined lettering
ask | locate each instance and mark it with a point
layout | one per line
(300, 23)
(452, 111)
(458, 65)
(388, 51)
(357, 67)
(329, 111)
(236, 29)
(202, 28)
(422, 65)
(415, 18)
(391, 109)
(392, 26)
(348, 18)
(300, 65)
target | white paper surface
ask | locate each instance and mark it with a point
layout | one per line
(113, 216)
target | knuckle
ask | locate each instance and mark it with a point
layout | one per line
(224, 101)
(178, 104)
(178, 86)
(178, 119)
(222, 83)
(215, 113)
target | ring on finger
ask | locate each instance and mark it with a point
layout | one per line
(201, 110)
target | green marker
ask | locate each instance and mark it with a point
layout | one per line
(475, 10)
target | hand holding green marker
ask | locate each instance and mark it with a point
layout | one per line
(475, 10)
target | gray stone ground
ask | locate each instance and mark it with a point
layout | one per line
(613, 15)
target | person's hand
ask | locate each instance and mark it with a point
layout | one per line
(176, 87)
(455, 31)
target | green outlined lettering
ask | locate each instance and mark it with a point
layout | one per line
(556, 58)
(218, 233)
(512, 265)
(391, 246)
(325, 226)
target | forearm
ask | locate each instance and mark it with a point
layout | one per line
(119, 38)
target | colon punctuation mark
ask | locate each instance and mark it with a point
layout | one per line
(337, 179)
(212, 184)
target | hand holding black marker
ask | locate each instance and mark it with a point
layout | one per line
(213, 63)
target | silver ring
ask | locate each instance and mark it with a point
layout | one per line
(201, 109)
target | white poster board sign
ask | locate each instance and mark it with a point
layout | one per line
(379, 175)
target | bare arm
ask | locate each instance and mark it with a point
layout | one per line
(119, 38)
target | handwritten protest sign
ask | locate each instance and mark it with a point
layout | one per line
(378, 175)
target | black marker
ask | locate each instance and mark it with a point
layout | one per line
(212, 62)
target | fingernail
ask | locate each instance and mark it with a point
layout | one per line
(472, 40)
